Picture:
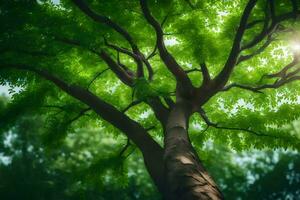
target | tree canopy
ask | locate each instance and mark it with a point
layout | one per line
(124, 65)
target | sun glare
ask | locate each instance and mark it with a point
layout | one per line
(296, 47)
(295, 44)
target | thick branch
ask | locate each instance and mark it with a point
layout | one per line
(105, 110)
(151, 150)
(223, 76)
(166, 57)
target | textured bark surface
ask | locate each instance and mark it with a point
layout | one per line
(185, 176)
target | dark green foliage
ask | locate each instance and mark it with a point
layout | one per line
(73, 171)
(76, 155)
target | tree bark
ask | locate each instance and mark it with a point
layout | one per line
(185, 176)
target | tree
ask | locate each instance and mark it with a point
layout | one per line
(134, 66)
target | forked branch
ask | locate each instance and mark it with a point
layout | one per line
(136, 53)
(267, 31)
(166, 57)
(223, 76)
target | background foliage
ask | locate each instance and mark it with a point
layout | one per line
(88, 165)
(56, 151)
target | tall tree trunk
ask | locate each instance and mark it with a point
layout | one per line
(185, 176)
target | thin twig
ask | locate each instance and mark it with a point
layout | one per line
(96, 76)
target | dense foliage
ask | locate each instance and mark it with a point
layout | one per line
(46, 43)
